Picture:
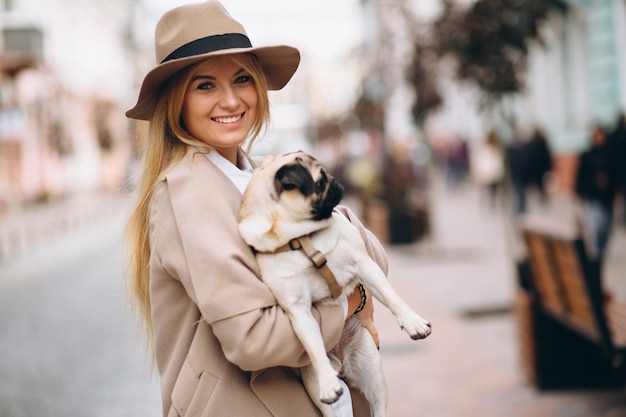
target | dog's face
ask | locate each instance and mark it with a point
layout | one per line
(304, 187)
(291, 197)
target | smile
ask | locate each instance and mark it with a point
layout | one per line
(227, 120)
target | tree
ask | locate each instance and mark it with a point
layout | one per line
(489, 44)
(422, 77)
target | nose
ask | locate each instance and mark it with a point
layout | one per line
(229, 98)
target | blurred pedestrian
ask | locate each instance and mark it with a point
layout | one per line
(222, 344)
(538, 163)
(399, 192)
(516, 164)
(617, 142)
(457, 162)
(595, 186)
(488, 166)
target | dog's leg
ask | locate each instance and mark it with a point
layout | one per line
(363, 368)
(308, 331)
(311, 384)
(374, 279)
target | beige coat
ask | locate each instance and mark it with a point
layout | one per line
(223, 346)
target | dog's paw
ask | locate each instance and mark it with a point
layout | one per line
(330, 390)
(416, 326)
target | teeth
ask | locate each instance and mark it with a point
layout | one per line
(232, 119)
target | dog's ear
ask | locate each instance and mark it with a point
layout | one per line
(294, 176)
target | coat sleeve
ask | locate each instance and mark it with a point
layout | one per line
(196, 239)
(374, 248)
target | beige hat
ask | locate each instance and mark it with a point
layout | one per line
(191, 33)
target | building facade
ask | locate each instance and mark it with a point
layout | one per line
(577, 78)
(63, 74)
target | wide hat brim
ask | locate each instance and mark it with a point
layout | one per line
(279, 63)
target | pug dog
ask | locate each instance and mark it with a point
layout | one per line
(294, 198)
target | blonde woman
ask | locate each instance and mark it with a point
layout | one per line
(221, 344)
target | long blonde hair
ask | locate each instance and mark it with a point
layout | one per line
(166, 144)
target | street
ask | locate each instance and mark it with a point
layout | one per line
(68, 346)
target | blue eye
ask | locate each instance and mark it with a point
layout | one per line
(243, 79)
(204, 86)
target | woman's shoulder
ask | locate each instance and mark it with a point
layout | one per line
(193, 163)
(195, 180)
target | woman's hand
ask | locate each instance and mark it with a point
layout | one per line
(366, 314)
(268, 159)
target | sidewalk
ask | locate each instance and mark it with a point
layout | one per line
(463, 280)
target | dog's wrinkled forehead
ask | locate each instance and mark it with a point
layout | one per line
(304, 160)
(301, 158)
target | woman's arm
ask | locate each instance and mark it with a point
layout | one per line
(374, 248)
(264, 338)
(377, 252)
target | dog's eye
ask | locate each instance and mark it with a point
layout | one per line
(320, 185)
(289, 186)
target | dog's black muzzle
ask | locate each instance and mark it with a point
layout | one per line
(323, 208)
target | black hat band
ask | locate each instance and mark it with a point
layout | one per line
(210, 44)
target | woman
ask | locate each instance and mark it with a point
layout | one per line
(488, 167)
(221, 344)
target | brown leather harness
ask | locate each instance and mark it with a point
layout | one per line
(317, 258)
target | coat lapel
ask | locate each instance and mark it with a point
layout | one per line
(206, 209)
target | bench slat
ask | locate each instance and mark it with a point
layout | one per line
(542, 271)
(616, 316)
(570, 273)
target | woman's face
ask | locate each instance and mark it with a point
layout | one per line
(220, 104)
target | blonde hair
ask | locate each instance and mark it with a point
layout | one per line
(166, 144)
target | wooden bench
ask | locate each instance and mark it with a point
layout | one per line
(571, 334)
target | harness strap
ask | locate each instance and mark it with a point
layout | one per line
(317, 258)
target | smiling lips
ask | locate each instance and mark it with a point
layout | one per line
(228, 120)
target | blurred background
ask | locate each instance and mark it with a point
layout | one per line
(447, 121)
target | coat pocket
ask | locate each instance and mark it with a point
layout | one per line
(192, 392)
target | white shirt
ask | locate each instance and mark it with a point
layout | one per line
(240, 177)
